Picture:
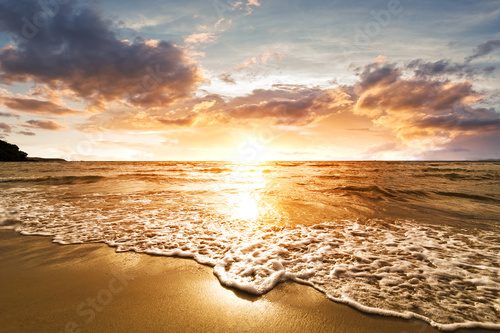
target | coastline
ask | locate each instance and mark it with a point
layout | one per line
(48, 287)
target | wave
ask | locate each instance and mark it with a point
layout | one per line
(433, 169)
(470, 196)
(461, 176)
(322, 164)
(161, 178)
(215, 170)
(74, 180)
(373, 189)
(51, 180)
(335, 177)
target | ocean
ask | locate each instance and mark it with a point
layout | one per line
(408, 239)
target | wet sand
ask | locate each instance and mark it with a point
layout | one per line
(45, 287)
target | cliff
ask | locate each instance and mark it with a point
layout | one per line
(11, 153)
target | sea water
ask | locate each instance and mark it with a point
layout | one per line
(408, 239)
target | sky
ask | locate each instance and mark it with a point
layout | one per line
(251, 80)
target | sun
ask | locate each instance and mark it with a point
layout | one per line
(251, 151)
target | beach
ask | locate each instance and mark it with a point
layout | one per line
(47, 287)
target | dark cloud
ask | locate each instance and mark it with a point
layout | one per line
(422, 107)
(289, 104)
(5, 128)
(35, 106)
(374, 74)
(465, 119)
(484, 49)
(44, 124)
(71, 46)
(425, 69)
(417, 95)
(226, 77)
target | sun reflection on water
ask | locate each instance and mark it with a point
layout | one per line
(245, 198)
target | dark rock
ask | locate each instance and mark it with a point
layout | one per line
(11, 153)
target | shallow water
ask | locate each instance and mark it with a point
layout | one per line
(401, 238)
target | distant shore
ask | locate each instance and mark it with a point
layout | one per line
(89, 288)
(41, 159)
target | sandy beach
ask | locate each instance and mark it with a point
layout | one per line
(47, 287)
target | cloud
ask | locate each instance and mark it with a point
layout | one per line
(443, 67)
(227, 78)
(280, 105)
(465, 119)
(26, 133)
(247, 5)
(184, 121)
(181, 114)
(289, 104)
(424, 110)
(263, 58)
(200, 38)
(421, 111)
(258, 65)
(35, 106)
(8, 115)
(253, 3)
(5, 128)
(44, 124)
(484, 49)
(75, 48)
(425, 105)
(360, 129)
(206, 34)
(377, 74)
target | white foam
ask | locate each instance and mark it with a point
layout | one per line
(434, 273)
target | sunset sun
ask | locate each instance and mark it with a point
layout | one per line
(252, 150)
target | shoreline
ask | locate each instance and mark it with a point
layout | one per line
(49, 287)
